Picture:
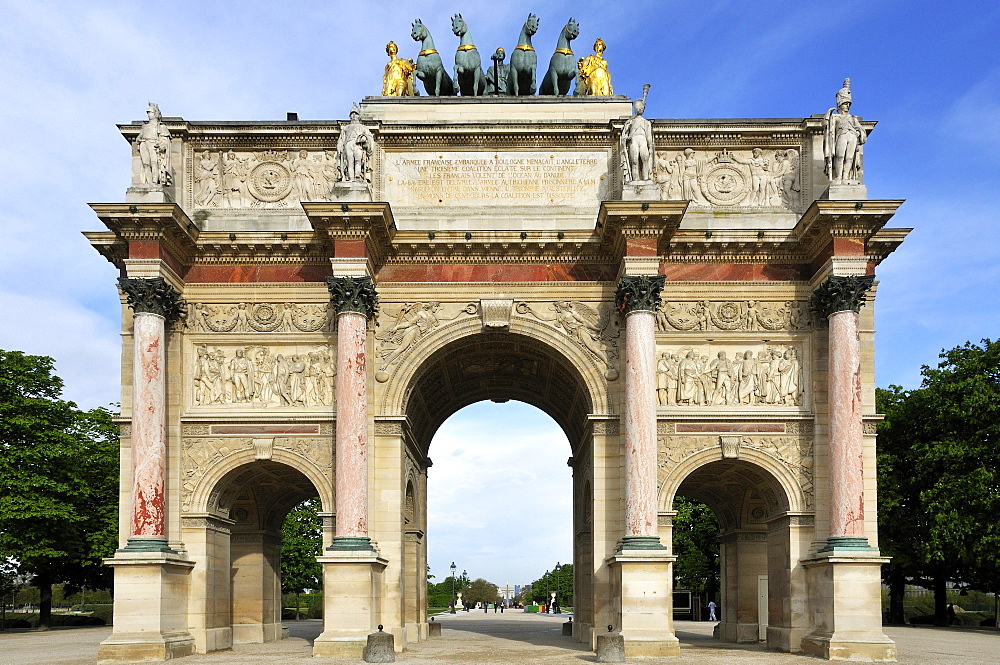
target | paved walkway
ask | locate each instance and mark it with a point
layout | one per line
(476, 638)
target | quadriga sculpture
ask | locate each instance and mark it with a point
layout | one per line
(469, 76)
(562, 66)
(524, 61)
(430, 68)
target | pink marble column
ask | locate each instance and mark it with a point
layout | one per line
(155, 303)
(352, 427)
(847, 501)
(355, 301)
(841, 298)
(637, 297)
(149, 445)
(640, 424)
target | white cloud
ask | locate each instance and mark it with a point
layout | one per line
(499, 494)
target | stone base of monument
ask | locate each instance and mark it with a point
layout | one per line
(640, 190)
(845, 192)
(567, 628)
(846, 605)
(642, 579)
(610, 648)
(433, 628)
(147, 194)
(358, 192)
(380, 648)
(145, 582)
(356, 574)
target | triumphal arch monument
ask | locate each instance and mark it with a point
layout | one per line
(304, 303)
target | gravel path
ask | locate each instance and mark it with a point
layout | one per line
(476, 638)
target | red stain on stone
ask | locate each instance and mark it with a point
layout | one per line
(248, 274)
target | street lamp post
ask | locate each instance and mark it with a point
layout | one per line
(558, 596)
(453, 598)
(464, 576)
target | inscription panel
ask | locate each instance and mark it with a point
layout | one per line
(474, 178)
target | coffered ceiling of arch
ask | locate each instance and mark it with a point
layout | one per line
(260, 494)
(739, 494)
(498, 367)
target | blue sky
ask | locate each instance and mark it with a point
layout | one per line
(927, 71)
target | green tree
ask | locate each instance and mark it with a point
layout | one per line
(301, 543)
(58, 480)
(696, 546)
(481, 591)
(939, 485)
(559, 579)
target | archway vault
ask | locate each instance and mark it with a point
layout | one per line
(498, 366)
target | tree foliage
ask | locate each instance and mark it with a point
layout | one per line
(440, 594)
(301, 543)
(560, 580)
(696, 546)
(939, 474)
(58, 479)
(481, 591)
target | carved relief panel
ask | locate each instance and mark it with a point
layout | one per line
(732, 373)
(248, 317)
(732, 315)
(754, 178)
(262, 179)
(261, 376)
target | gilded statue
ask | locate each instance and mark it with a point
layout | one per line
(593, 77)
(843, 141)
(398, 78)
(153, 143)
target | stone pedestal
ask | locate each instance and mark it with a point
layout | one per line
(352, 604)
(846, 604)
(640, 190)
(150, 615)
(642, 579)
(147, 194)
(845, 192)
(433, 628)
(360, 192)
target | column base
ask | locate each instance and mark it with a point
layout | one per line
(150, 611)
(847, 543)
(642, 588)
(351, 602)
(640, 543)
(845, 600)
(351, 544)
(145, 544)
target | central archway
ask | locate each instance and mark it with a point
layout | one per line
(454, 368)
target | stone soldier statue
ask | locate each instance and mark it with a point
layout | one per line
(843, 141)
(354, 149)
(636, 144)
(153, 143)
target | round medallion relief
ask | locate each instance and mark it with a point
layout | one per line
(725, 185)
(270, 182)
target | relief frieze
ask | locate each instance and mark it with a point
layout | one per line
(263, 317)
(754, 178)
(264, 179)
(730, 374)
(255, 376)
(742, 316)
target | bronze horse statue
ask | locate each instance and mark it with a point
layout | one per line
(562, 65)
(468, 65)
(523, 61)
(430, 68)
